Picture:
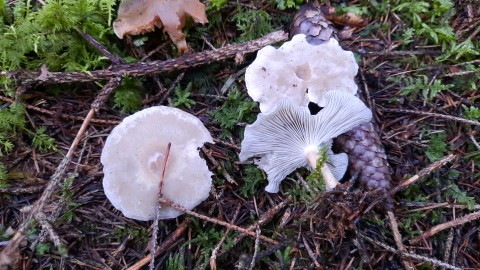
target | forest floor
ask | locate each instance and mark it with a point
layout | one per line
(419, 66)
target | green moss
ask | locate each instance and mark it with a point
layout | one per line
(46, 34)
(128, 96)
(236, 108)
(436, 147)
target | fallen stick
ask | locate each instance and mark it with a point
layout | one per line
(218, 222)
(398, 238)
(410, 255)
(148, 68)
(412, 180)
(436, 229)
(165, 245)
(447, 117)
(38, 206)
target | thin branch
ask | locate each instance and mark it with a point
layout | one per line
(255, 252)
(412, 179)
(410, 254)
(429, 205)
(436, 229)
(398, 238)
(401, 53)
(64, 116)
(165, 245)
(218, 222)
(311, 254)
(265, 218)
(157, 209)
(216, 164)
(149, 68)
(448, 117)
(474, 141)
(115, 59)
(21, 190)
(213, 258)
(38, 206)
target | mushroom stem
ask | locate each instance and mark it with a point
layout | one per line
(328, 177)
(312, 157)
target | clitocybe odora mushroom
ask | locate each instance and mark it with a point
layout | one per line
(134, 155)
(301, 72)
(289, 137)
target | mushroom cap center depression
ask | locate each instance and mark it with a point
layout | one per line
(155, 162)
(303, 72)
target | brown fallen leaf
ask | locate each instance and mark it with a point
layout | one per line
(349, 18)
(140, 16)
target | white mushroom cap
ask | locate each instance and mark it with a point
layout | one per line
(286, 138)
(133, 159)
(301, 72)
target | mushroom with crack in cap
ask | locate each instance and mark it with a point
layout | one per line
(301, 72)
(140, 16)
(133, 160)
(289, 137)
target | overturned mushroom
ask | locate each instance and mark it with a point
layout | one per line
(301, 72)
(133, 159)
(140, 16)
(289, 137)
(366, 154)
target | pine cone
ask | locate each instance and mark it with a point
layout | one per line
(310, 21)
(367, 159)
(366, 156)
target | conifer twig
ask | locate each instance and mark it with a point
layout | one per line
(218, 222)
(266, 217)
(38, 206)
(398, 238)
(448, 117)
(157, 209)
(447, 225)
(410, 254)
(115, 59)
(62, 115)
(412, 179)
(213, 258)
(150, 68)
(165, 245)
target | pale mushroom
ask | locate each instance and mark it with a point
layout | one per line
(133, 159)
(289, 137)
(141, 16)
(301, 72)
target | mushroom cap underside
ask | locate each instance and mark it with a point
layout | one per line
(279, 140)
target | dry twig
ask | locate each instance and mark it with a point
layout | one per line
(149, 68)
(398, 238)
(165, 245)
(218, 222)
(62, 115)
(38, 206)
(157, 210)
(255, 253)
(410, 254)
(448, 117)
(446, 225)
(265, 218)
(412, 180)
(213, 258)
